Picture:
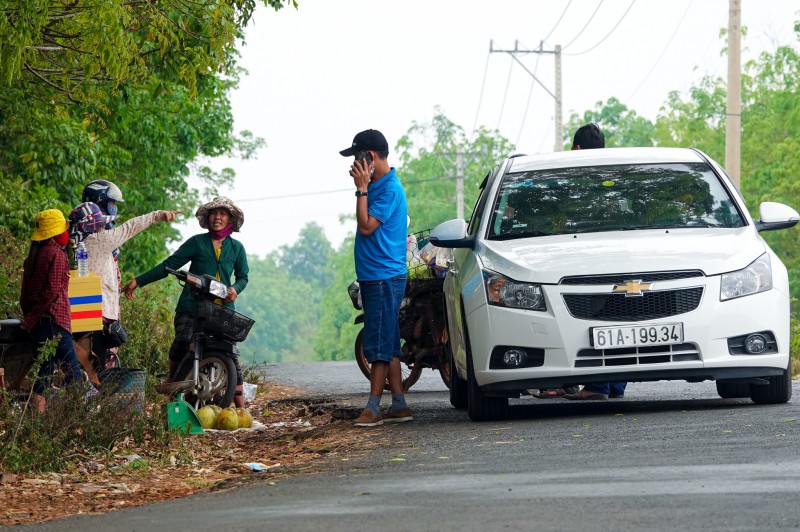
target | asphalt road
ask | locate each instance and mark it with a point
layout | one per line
(669, 456)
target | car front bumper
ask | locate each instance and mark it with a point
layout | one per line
(562, 336)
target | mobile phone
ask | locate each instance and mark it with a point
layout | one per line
(364, 156)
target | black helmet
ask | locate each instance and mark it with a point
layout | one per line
(101, 192)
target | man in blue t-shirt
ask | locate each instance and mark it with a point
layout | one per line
(380, 259)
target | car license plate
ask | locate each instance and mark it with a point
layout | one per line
(637, 335)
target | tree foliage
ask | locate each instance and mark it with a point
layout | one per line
(133, 92)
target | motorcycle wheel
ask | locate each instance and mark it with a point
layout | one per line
(410, 374)
(217, 380)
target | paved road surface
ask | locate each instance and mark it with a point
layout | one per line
(669, 456)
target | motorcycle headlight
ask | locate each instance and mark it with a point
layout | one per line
(504, 292)
(218, 289)
(757, 277)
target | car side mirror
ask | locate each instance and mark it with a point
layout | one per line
(452, 234)
(776, 216)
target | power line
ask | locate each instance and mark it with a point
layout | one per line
(338, 190)
(480, 99)
(508, 83)
(609, 33)
(558, 21)
(528, 103)
(674, 32)
(584, 27)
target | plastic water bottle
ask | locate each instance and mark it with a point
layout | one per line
(82, 256)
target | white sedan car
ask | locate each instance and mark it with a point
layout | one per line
(617, 264)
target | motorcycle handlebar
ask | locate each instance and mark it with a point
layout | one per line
(177, 273)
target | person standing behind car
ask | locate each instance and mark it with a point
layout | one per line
(44, 300)
(90, 224)
(214, 253)
(381, 270)
(590, 137)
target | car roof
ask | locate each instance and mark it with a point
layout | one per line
(603, 157)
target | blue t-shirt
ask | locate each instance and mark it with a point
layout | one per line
(382, 255)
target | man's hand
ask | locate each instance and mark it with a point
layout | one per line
(359, 171)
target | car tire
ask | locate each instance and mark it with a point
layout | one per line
(480, 407)
(778, 391)
(458, 386)
(733, 390)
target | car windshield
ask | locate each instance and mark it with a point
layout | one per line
(611, 198)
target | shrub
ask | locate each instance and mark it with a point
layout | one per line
(148, 319)
(71, 429)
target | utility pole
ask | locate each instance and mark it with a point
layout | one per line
(557, 96)
(733, 129)
(460, 164)
(558, 119)
(460, 185)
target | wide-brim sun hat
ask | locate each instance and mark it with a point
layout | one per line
(89, 218)
(49, 223)
(237, 216)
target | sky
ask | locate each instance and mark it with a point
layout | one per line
(320, 73)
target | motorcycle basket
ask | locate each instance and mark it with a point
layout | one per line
(222, 321)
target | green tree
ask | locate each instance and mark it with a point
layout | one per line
(621, 126)
(308, 257)
(285, 310)
(336, 333)
(427, 157)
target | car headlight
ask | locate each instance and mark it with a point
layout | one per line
(504, 292)
(757, 277)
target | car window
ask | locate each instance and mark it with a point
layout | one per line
(477, 211)
(611, 198)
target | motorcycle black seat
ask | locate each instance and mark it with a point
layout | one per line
(10, 329)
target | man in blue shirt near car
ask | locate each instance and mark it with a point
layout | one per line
(380, 260)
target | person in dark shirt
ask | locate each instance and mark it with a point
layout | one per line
(589, 137)
(44, 300)
(215, 253)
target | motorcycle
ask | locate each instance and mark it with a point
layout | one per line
(18, 351)
(423, 332)
(207, 373)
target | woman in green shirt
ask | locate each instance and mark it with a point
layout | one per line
(213, 253)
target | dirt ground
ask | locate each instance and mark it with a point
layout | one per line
(299, 436)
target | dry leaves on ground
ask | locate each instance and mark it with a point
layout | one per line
(301, 436)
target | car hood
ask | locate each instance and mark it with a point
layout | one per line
(549, 259)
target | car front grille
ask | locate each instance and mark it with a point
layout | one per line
(637, 356)
(622, 278)
(619, 307)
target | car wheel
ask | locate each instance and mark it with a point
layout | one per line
(458, 386)
(779, 389)
(733, 390)
(481, 407)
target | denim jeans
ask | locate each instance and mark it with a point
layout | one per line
(381, 301)
(65, 355)
(614, 387)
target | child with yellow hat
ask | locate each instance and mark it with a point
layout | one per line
(45, 299)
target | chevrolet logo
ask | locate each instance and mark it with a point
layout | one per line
(633, 288)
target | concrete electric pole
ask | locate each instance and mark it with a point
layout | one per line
(559, 141)
(733, 130)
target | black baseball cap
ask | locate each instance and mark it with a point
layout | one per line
(371, 139)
